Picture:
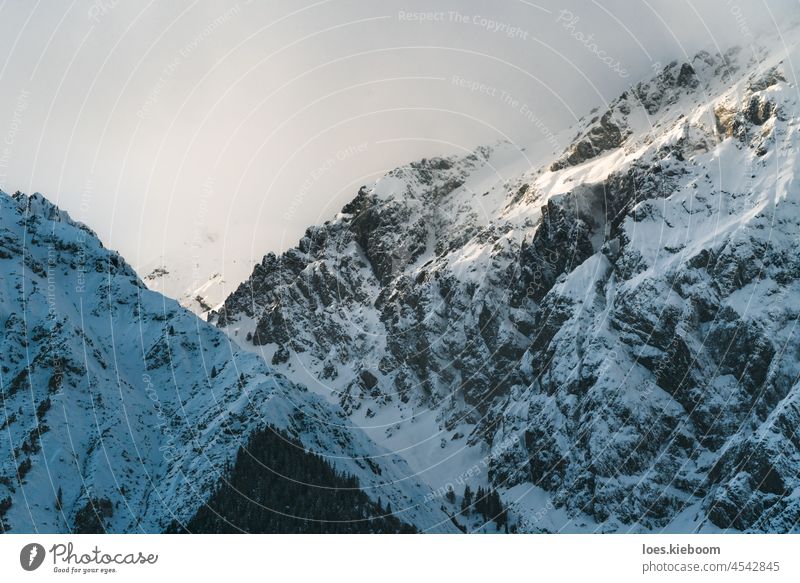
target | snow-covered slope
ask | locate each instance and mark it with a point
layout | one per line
(608, 336)
(117, 402)
(180, 278)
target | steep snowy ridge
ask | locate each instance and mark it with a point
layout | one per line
(121, 406)
(609, 337)
(169, 277)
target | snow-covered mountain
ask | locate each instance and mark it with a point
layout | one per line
(606, 335)
(122, 411)
(199, 295)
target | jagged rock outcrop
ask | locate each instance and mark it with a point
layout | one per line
(615, 329)
(122, 411)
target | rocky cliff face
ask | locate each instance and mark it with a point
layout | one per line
(609, 338)
(121, 411)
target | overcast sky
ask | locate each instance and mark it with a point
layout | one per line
(243, 122)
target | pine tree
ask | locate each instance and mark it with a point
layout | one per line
(466, 503)
(213, 372)
(481, 502)
(495, 509)
(451, 494)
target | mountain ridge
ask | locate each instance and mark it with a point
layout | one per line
(595, 316)
(121, 411)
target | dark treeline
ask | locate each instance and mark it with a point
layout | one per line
(276, 486)
(487, 504)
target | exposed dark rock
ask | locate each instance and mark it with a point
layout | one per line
(603, 136)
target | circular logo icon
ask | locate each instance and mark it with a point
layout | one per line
(31, 556)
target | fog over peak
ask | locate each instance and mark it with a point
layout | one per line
(218, 131)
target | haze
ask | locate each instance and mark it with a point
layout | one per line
(208, 133)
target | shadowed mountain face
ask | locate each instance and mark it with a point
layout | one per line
(123, 412)
(275, 486)
(608, 333)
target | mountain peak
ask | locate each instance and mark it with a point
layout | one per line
(152, 402)
(595, 326)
